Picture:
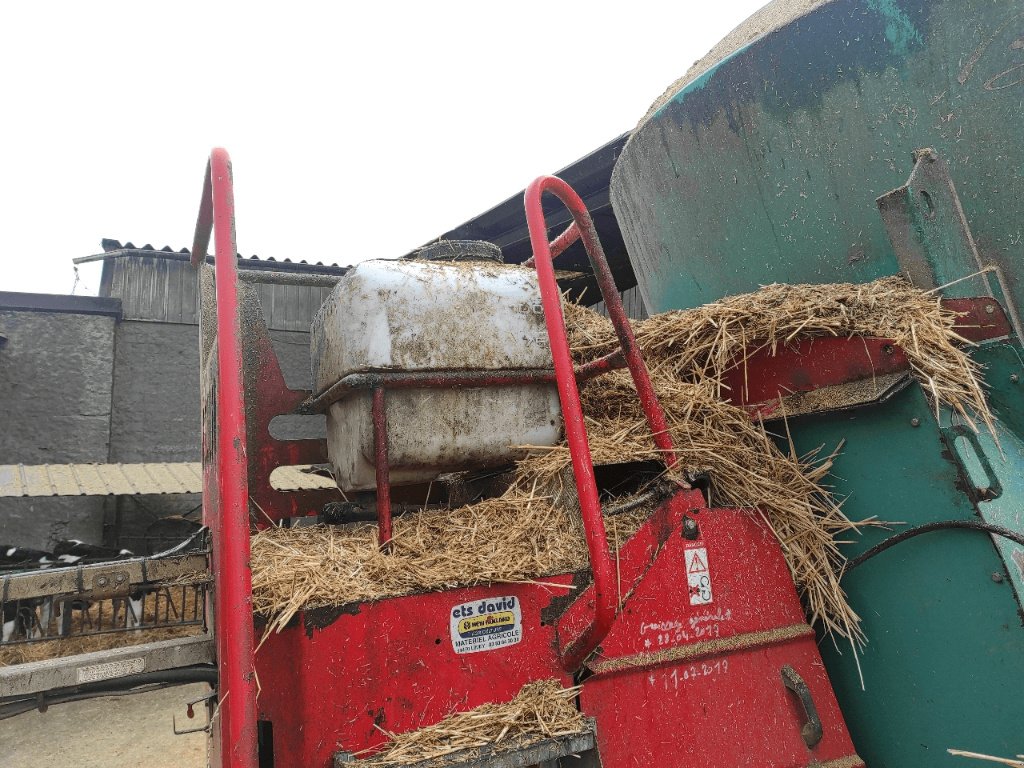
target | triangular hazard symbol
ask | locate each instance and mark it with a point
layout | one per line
(697, 564)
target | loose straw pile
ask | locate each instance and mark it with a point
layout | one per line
(516, 538)
(700, 345)
(523, 536)
(541, 710)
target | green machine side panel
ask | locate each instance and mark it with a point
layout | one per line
(944, 663)
(766, 168)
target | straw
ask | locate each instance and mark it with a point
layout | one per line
(541, 710)
(82, 621)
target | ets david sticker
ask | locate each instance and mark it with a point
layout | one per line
(698, 576)
(484, 625)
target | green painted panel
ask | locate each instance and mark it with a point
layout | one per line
(766, 169)
(944, 665)
(1002, 467)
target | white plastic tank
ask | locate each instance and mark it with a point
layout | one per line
(434, 314)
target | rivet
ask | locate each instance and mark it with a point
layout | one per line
(915, 422)
(990, 309)
(997, 577)
(1014, 378)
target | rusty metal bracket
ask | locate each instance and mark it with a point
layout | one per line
(932, 239)
(190, 713)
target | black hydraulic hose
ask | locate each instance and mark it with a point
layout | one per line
(971, 525)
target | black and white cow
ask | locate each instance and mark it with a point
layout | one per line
(20, 616)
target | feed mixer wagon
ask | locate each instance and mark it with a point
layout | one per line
(845, 142)
(426, 367)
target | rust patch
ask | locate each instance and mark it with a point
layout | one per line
(321, 618)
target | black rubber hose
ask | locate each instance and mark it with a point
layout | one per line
(971, 525)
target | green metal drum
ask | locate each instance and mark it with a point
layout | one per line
(766, 168)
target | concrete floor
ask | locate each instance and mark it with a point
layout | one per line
(112, 732)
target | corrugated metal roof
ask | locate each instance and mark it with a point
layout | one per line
(114, 248)
(130, 479)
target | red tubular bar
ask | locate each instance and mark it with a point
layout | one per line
(572, 412)
(232, 578)
(560, 244)
(383, 469)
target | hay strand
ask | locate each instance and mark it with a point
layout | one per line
(541, 710)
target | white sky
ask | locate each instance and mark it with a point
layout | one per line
(357, 130)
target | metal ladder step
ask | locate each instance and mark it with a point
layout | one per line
(545, 753)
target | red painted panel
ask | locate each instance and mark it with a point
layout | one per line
(809, 365)
(690, 674)
(718, 712)
(391, 665)
(980, 318)
(748, 587)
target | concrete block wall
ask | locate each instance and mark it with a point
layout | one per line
(56, 372)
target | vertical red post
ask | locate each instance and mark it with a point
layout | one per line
(233, 621)
(383, 468)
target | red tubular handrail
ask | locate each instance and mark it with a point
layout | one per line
(605, 596)
(232, 578)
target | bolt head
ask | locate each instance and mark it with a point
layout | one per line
(1014, 378)
(990, 309)
(915, 422)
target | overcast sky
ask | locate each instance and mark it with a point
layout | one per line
(357, 130)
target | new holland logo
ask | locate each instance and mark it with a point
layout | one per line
(484, 625)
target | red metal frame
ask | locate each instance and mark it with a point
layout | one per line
(759, 379)
(226, 507)
(382, 467)
(605, 596)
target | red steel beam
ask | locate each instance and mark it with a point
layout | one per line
(233, 620)
(383, 469)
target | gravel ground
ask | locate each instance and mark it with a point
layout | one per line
(112, 732)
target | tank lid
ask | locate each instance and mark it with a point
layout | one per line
(459, 250)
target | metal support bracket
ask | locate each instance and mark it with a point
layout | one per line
(208, 699)
(933, 242)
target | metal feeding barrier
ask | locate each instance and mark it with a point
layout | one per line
(131, 594)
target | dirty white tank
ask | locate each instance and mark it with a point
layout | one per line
(426, 315)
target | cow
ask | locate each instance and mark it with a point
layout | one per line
(21, 616)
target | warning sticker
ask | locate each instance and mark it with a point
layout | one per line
(698, 576)
(484, 625)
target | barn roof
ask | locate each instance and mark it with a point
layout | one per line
(131, 479)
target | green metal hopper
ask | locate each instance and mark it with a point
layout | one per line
(867, 138)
